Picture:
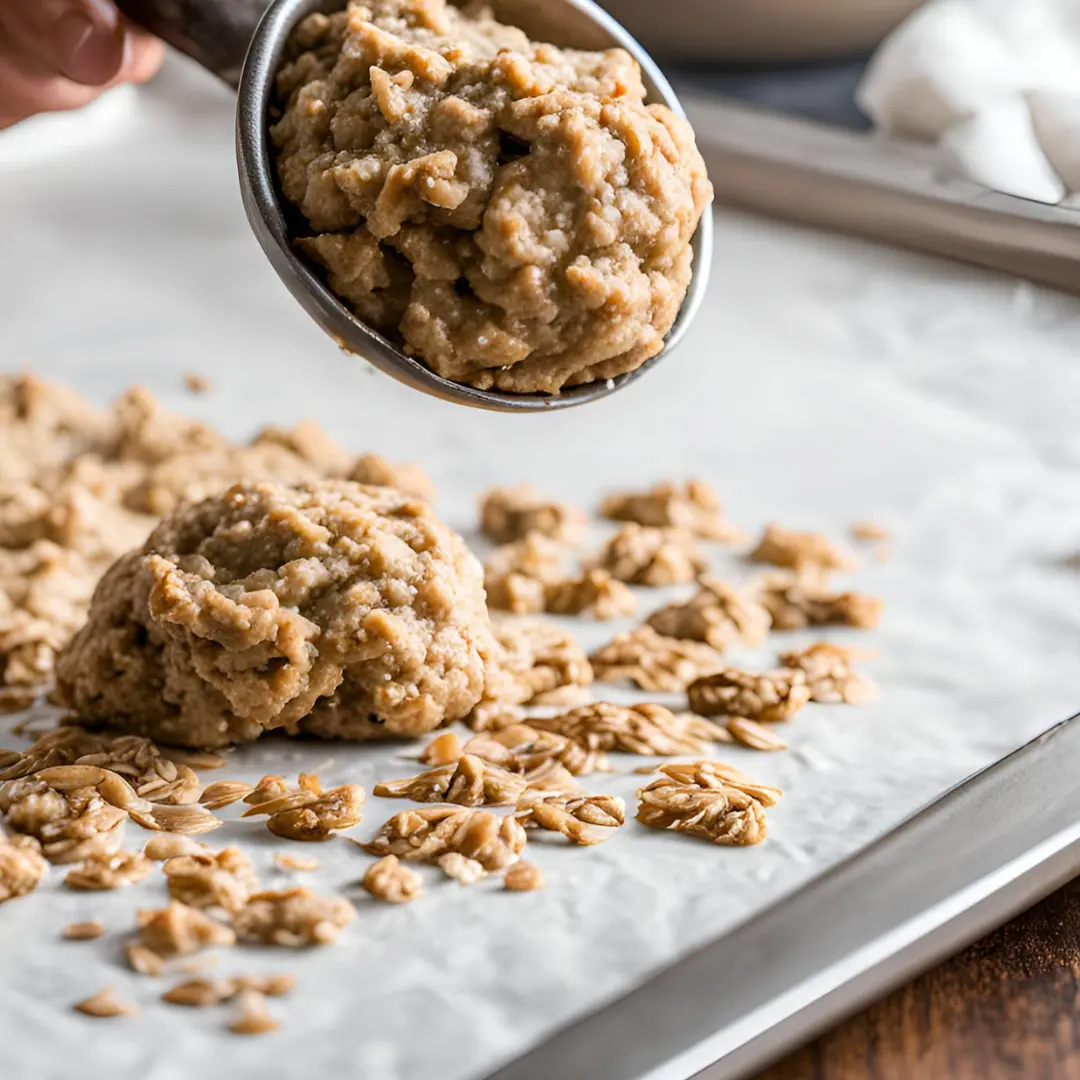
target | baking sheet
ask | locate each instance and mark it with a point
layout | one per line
(827, 380)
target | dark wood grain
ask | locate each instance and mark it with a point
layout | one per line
(1008, 1008)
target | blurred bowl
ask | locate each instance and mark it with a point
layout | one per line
(758, 31)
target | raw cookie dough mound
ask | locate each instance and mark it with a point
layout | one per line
(334, 608)
(511, 212)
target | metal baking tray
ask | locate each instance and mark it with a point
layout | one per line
(973, 858)
(843, 178)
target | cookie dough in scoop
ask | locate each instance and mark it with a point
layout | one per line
(513, 214)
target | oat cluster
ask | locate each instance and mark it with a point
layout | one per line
(470, 781)
(633, 729)
(693, 508)
(652, 661)
(718, 614)
(307, 812)
(648, 555)
(389, 879)
(582, 819)
(801, 551)
(829, 673)
(798, 600)
(532, 752)
(22, 866)
(510, 514)
(768, 697)
(426, 834)
(74, 790)
(709, 800)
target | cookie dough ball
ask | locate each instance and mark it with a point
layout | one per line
(331, 608)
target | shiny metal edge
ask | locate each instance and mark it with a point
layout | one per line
(264, 213)
(880, 189)
(976, 856)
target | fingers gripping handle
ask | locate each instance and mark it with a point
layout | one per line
(215, 33)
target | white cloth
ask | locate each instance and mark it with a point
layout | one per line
(995, 83)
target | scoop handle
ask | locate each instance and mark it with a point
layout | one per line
(214, 33)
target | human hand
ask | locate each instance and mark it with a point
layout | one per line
(60, 54)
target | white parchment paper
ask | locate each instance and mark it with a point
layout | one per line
(825, 381)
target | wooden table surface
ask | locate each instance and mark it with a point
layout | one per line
(1008, 1008)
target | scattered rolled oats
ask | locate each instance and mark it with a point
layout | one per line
(203, 993)
(170, 845)
(753, 735)
(707, 800)
(693, 508)
(443, 750)
(718, 614)
(511, 513)
(870, 530)
(391, 880)
(429, 832)
(717, 774)
(595, 593)
(407, 476)
(301, 863)
(72, 825)
(268, 788)
(524, 877)
(795, 601)
(270, 985)
(311, 814)
(22, 866)
(464, 871)
(82, 931)
(634, 729)
(185, 820)
(878, 535)
(293, 919)
(652, 661)
(827, 668)
(105, 1003)
(200, 993)
(253, 1017)
(178, 930)
(471, 781)
(143, 960)
(109, 871)
(197, 384)
(223, 793)
(185, 789)
(525, 749)
(767, 697)
(801, 551)
(642, 555)
(582, 819)
(224, 879)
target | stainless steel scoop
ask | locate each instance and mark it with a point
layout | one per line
(243, 42)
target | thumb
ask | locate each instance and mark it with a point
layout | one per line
(82, 40)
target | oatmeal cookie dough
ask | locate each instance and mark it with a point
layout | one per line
(513, 213)
(330, 608)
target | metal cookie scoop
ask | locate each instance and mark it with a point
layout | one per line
(243, 42)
